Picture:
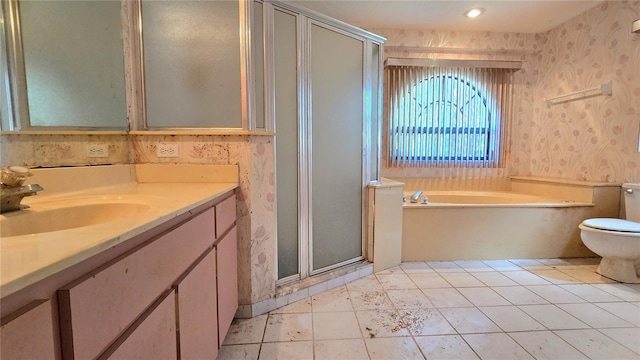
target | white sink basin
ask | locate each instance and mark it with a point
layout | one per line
(69, 214)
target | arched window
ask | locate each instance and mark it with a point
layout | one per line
(447, 117)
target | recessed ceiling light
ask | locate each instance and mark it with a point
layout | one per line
(475, 12)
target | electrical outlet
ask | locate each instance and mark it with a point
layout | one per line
(97, 150)
(167, 150)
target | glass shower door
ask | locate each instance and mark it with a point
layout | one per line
(336, 146)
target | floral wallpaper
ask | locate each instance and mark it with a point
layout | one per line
(594, 139)
(50, 150)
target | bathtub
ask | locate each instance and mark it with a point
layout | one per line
(476, 225)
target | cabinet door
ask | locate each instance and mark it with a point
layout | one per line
(28, 333)
(198, 310)
(227, 254)
(152, 336)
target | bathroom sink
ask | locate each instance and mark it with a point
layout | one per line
(67, 215)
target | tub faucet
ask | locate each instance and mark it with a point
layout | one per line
(416, 196)
(11, 189)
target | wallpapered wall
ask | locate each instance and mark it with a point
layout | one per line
(591, 139)
(594, 139)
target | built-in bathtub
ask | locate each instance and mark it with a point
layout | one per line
(532, 218)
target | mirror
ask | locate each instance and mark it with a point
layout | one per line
(191, 56)
(65, 63)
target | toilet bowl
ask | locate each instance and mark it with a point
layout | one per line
(617, 240)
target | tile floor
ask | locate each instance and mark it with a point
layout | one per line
(498, 309)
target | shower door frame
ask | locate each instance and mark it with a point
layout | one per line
(305, 19)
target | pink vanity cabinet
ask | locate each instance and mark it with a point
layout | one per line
(171, 297)
(19, 330)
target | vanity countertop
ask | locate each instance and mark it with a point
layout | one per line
(27, 259)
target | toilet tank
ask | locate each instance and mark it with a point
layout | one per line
(632, 201)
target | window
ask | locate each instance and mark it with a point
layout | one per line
(447, 116)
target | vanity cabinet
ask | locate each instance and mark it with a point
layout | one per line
(28, 333)
(122, 308)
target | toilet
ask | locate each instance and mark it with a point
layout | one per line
(617, 240)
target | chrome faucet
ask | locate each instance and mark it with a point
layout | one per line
(11, 189)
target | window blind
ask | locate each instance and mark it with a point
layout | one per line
(452, 116)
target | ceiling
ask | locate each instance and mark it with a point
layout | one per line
(502, 16)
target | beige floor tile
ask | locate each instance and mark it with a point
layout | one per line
(239, 352)
(622, 291)
(393, 348)
(525, 278)
(367, 283)
(391, 270)
(483, 296)
(426, 322)
(352, 349)
(337, 299)
(596, 344)
(396, 281)
(494, 279)
(246, 331)
(370, 300)
(469, 320)
(300, 306)
(502, 265)
(461, 279)
(553, 317)
(429, 280)
(629, 337)
(594, 316)
(555, 294)
(445, 347)
(382, 323)
(530, 264)
(443, 298)
(409, 299)
(335, 325)
(519, 295)
(496, 346)
(294, 350)
(587, 276)
(416, 267)
(554, 262)
(624, 310)
(445, 266)
(555, 276)
(474, 266)
(510, 318)
(590, 293)
(288, 327)
(547, 345)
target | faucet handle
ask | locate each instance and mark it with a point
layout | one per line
(14, 175)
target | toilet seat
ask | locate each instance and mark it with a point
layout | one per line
(617, 225)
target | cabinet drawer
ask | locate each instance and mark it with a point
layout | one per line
(28, 333)
(227, 256)
(114, 295)
(225, 215)
(152, 336)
